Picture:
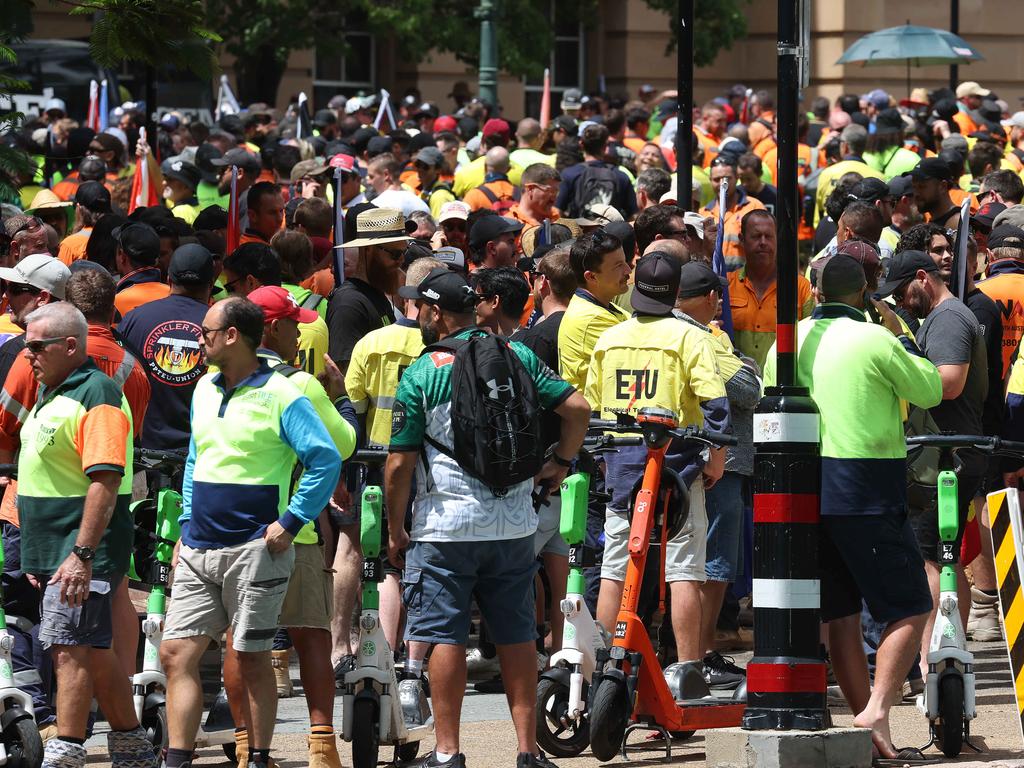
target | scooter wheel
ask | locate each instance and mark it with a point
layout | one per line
(553, 735)
(608, 719)
(365, 734)
(154, 723)
(24, 747)
(407, 752)
(950, 730)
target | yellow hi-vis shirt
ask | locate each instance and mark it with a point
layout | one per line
(654, 362)
(584, 321)
(378, 361)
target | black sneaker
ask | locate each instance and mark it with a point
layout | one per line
(540, 760)
(494, 685)
(345, 665)
(721, 674)
(430, 761)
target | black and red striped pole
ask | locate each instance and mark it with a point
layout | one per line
(786, 677)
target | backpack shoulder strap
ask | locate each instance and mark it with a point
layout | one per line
(445, 345)
(488, 193)
(312, 301)
(285, 370)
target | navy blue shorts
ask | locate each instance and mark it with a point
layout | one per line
(441, 579)
(873, 558)
(725, 504)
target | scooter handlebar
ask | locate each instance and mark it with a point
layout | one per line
(993, 445)
(9, 470)
(719, 439)
(369, 455)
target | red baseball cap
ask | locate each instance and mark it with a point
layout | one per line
(276, 302)
(445, 123)
(496, 127)
(347, 163)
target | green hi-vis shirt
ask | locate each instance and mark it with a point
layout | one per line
(450, 504)
(83, 425)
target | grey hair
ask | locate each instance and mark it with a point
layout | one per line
(64, 319)
(421, 217)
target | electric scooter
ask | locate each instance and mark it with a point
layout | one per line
(372, 711)
(631, 692)
(156, 533)
(948, 700)
(20, 744)
(562, 726)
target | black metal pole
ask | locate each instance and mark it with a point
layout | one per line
(786, 677)
(150, 97)
(684, 87)
(954, 27)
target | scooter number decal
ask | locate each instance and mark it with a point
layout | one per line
(620, 629)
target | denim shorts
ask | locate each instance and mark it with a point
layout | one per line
(442, 578)
(90, 624)
(724, 503)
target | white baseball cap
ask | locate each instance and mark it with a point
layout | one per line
(455, 209)
(40, 270)
(1016, 120)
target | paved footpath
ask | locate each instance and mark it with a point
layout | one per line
(488, 739)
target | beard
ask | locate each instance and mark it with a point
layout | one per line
(382, 273)
(430, 333)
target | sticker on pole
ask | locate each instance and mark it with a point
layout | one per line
(785, 428)
(1008, 548)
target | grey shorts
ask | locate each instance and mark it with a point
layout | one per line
(547, 540)
(686, 552)
(90, 624)
(242, 587)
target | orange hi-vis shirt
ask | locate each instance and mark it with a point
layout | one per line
(732, 249)
(1006, 289)
(139, 287)
(72, 247)
(754, 319)
(502, 189)
(20, 390)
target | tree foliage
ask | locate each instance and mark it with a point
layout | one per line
(717, 25)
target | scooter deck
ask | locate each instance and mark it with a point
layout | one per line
(700, 714)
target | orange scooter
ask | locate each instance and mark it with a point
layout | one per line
(631, 692)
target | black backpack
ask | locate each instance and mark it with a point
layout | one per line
(495, 412)
(595, 186)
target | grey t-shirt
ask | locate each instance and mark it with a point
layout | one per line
(951, 335)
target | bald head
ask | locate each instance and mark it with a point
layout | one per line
(527, 131)
(496, 160)
(672, 247)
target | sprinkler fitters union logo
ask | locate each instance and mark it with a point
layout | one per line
(172, 353)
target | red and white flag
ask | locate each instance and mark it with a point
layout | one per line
(545, 100)
(93, 119)
(234, 223)
(144, 194)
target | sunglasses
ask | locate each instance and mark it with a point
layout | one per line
(456, 225)
(19, 289)
(96, 148)
(38, 346)
(207, 332)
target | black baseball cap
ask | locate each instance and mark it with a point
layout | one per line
(191, 264)
(986, 215)
(442, 288)
(1006, 236)
(843, 275)
(238, 157)
(205, 155)
(656, 284)
(324, 117)
(902, 267)
(900, 187)
(870, 190)
(187, 173)
(888, 121)
(490, 228)
(93, 196)
(931, 168)
(698, 279)
(139, 241)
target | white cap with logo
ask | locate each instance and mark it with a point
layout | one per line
(40, 270)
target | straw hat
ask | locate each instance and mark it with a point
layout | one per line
(378, 226)
(46, 199)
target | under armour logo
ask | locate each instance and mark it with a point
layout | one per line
(506, 389)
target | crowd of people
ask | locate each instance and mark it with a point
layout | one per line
(289, 344)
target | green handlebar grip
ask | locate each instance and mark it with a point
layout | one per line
(949, 518)
(573, 523)
(370, 522)
(168, 530)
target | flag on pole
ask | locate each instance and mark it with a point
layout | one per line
(144, 194)
(385, 108)
(718, 260)
(93, 119)
(104, 107)
(545, 100)
(304, 124)
(958, 280)
(234, 222)
(341, 164)
(227, 104)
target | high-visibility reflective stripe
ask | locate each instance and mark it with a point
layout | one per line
(9, 404)
(787, 593)
(124, 370)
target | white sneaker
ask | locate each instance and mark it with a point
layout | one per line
(983, 624)
(415, 706)
(479, 666)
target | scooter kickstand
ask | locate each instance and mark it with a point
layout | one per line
(666, 737)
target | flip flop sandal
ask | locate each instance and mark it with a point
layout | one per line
(904, 756)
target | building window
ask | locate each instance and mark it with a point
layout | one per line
(348, 72)
(566, 62)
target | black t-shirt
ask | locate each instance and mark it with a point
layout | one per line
(991, 322)
(354, 309)
(165, 335)
(9, 350)
(768, 195)
(824, 233)
(542, 339)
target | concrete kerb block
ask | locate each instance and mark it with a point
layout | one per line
(831, 748)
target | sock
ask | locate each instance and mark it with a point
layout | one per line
(259, 755)
(540, 637)
(321, 729)
(989, 592)
(72, 740)
(414, 667)
(178, 757)
(442, 757)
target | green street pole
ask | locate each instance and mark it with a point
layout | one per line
(488, 87)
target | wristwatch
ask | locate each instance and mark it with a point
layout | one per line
(85, 554)
(560, 461)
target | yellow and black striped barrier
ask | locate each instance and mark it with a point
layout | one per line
(1008, 546)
